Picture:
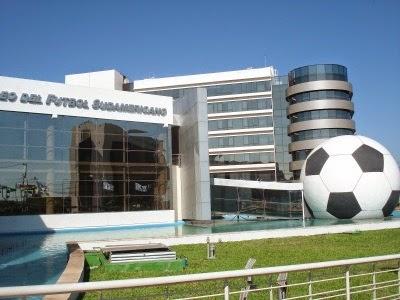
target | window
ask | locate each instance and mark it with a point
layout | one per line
(239, 88)
(240, 123)
(83, 164)
(319, 133)
(240, 141)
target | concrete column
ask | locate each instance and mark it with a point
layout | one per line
(176, 188)
(193, 137)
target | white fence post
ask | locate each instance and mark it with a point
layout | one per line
(398, 274)
(348, 296)
(373, 282)
(226, 292)
(310, 286)
(271, 291)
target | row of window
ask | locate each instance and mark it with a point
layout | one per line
(80, 155)
(29, 186)
(318, 95)
(317, 72)
(242, 159)
(321, 114)
(31, 121)
(239, 88)
(174, 93)
(107, 188)
(240, 141)
(243, 105)
(224, 193)
(320, 134)
(64, 175)
(89, 139)
(256, 175)
(223, 89)
(82, 204)
(240, 123)
(301, 154)
(224, 200)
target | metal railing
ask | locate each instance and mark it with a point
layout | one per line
(346, 290)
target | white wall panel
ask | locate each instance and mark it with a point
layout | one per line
(44, 89)
(59, 222)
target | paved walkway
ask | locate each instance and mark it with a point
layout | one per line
(246, 235)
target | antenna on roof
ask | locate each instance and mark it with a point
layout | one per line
(265, 61)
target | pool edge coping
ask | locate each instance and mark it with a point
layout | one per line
(74, 272)
(246, 235)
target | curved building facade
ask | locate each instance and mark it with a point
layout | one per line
(320, 107)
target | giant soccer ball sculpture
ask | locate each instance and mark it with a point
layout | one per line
(351, 177)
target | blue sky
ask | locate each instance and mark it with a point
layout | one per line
(47, 39)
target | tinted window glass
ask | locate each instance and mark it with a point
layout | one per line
(71, 164)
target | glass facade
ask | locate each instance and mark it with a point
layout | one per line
(242, 105)
(72, 164)
(267, 203)
(221, 202)
(317, 72)
(240, 141)
(321, 114)
(240, 123)
(313, 134)
(242, 159)
(319, 95)
(323, 72)
(278, 138)
(281, 123)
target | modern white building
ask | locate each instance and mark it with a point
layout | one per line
(100, 150)
(69, 152)
(247, 132)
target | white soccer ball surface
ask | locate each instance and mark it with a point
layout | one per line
(351, 177)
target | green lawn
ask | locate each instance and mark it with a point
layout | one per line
(268, 252)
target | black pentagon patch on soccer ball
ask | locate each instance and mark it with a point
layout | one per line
(316, 161)
(391, 203)
(343, 205)
(369, 159)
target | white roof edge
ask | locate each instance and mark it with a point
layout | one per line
(87, 88)
(91, 72)
(199, 79)
(265, 185)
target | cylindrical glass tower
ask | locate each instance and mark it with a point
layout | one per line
(319, 108)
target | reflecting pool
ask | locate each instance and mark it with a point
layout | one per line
(27, 259)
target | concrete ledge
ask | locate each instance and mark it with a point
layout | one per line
(319, 85)
(320, 104)
(79, 221)
(321, 124)
(249, 235)
(73, 273)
